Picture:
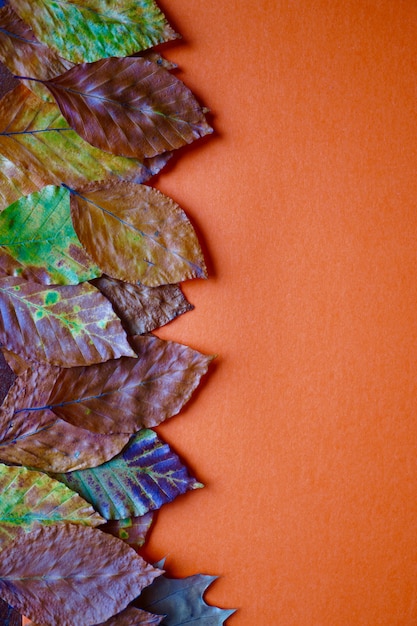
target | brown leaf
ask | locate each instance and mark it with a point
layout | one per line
(132, 530)
(140, 308)
(38, 148)
(119, 396)
(136, 233)
(66, 575)
(39, 439)
(62, 325)
(17, 364)
(128, 617)
(7, 377)
(24, 55)
(129, 106)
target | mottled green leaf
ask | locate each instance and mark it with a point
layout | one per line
(29, 498)
(181, 600)
(38, 241)
(132, 530)
(39, 439)
(93, 29)
(9, 616)
(134, 107)
(65, 326)
(24, 55)
(143, 477)
(136, 233)
(66, 574)
(141, 308)
(38, 148)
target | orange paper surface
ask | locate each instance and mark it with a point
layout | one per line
(305, 432)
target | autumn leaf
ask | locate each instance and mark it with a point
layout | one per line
(41, 440)
(38, 148)
(38, 241)
(143, 477)
(132, 530)
(133, 107)
(181, 601)
(135, 233)
(15, 363)
(24, 55)
(66, 574)
(141, 308)
(29, 498)
(128, 617)
(10, 617)
(7, 376)
(93, 29)
(66, 326)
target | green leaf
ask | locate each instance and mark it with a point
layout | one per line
(39, 439)
(143, 477)
(132, 530)
(38, 241)
(181, 600)
(66, 326)
(66, 574)
(29, 498)
(93, 29)
(38, 148)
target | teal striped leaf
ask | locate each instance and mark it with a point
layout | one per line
(143, 477)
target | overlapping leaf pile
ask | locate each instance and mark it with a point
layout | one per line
(90, 261)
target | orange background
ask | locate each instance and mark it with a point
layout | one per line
(305, 432)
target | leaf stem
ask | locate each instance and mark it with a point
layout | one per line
(37, 80)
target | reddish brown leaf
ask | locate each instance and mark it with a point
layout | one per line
(132, 530)
(66, 575)
(128, 617)
(136, 233)
(14, 361)
(66, 326)
(140, 308)
(39, 439)
(129, 106)
(119, 396)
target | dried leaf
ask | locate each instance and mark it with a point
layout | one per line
(143, 477)
(24, 55)
(39, 439)
(66, 326)
(132, 530)
(128, 617)
(10, 617)
(65, 574)
(7, 376)
(29, 498)
(140, 308)
(135, 233)
(38, 148)
(93, 29)
(129, 106)
(38, 241)
(14, 362)
(181, 600)
(150, 388)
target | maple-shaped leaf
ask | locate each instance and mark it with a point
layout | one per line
(93, 29)
(9, 616)
(181, 601)
(29, 498)
(66, 574)
(143, 477)
(66, 326)
(133, 107)
(41, 440)
(132, 530)
(38, 241)
(141, 308)
(129, 617)
(24, 55)
(38, 148)
(126, 394)
(136, 233)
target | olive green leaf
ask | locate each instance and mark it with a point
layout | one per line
(143, 477)
(66, 326)
(94, 29)
(29, 498)
(38, 241)
(38, 148)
